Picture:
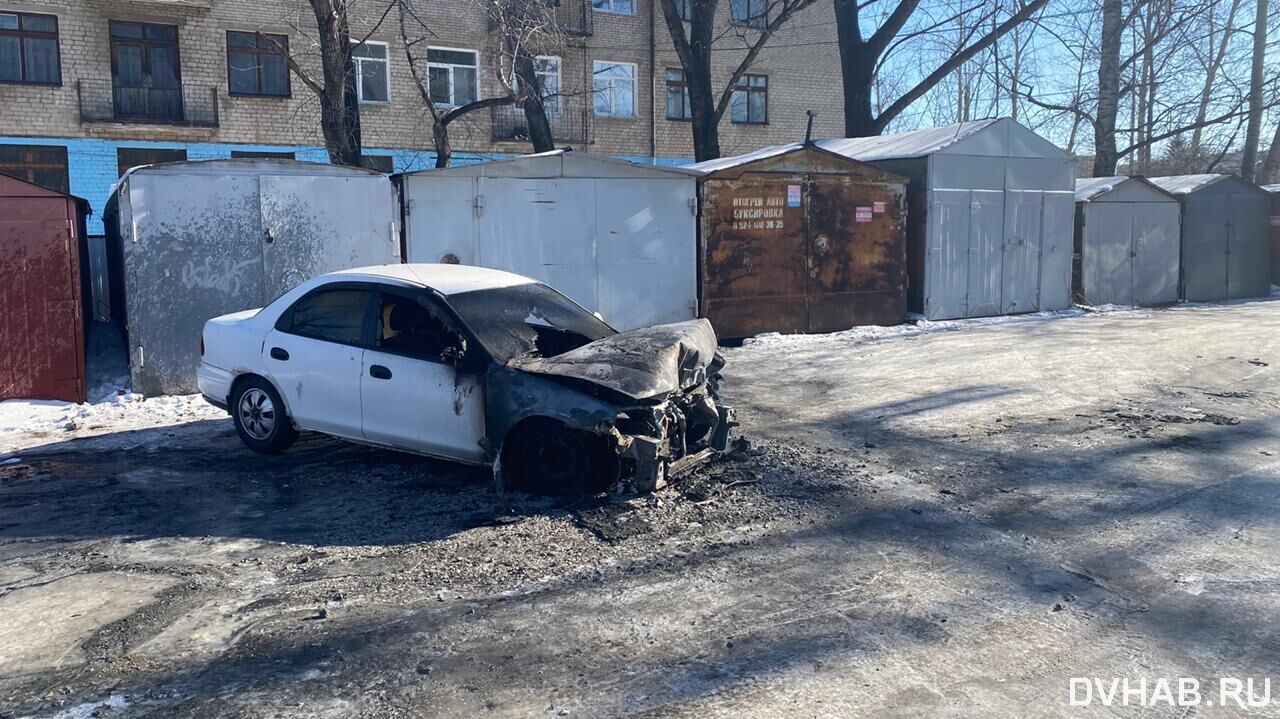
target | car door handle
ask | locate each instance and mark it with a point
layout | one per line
(379, 372)
(279, 353)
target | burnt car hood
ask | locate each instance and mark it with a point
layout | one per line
(647, 363)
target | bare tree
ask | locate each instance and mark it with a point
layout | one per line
(1253, 127)
(693, 48)
(862, 56)
(1218, 40)
(336, 88)
(523, 28)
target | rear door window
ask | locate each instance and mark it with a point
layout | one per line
(336, 315)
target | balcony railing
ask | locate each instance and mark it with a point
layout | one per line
(569, 122)
(104, 101)
(573, 17)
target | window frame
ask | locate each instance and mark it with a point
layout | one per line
(31, 167)
(608, 7)
(550, 105)
(682, 84)
(256, 50)
(450, 66)
(757, 22)
(284, 323)
(358, 62)
(747, 90)
(595, 71)
(152, 151)
(264, 155)
(473, 357)
(23, 34)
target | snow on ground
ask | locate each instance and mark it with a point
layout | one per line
(26, 423)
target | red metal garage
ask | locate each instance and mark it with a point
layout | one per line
(42, 327)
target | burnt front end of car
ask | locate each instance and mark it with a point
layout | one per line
(659, 441)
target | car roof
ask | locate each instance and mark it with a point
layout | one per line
(445, 279)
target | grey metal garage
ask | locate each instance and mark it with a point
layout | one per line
(989, 219)
(1126, 246)
(187, 241)
(1225, 249)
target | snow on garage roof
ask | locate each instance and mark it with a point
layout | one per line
(727, 162)
(1088, 188)
(906, 144)
(1185, 184)
(555, 163)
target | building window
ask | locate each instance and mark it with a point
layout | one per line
(750, 101)
(752, 13)
(382, 163)
(614, 85)
(453, 76)
(684, 10)
(374, 71)
(44, 165)
(127, 157)
(262, 155)
(255, 67)
(618, 7)
(547, 68)
(677, 96)
(146, 73)
(29, 49)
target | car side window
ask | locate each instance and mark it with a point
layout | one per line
(414, 326)
(335, 315)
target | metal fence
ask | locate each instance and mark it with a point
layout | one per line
(107, 101)
(569, 120)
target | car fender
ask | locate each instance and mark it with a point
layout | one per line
(512, 396)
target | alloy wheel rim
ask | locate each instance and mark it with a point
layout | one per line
(257, 414)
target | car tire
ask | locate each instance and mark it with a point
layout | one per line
(260, 417)
(545, 457)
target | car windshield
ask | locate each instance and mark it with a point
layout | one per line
(527, 320)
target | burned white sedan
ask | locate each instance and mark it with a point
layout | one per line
(473, 365)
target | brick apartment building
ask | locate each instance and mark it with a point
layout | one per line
(89, 88)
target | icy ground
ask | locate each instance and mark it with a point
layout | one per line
(938, 521)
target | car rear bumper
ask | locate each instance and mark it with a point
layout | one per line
(214, 384)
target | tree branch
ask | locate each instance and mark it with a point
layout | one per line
(281, 50)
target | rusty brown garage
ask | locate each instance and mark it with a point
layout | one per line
(794, 238)
(42, 283)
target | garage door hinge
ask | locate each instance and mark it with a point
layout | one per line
(142, 357)
(479, 205)
(408, 207)
(693, 206)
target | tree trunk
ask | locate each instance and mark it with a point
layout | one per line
(440, 140)
(1272, 161)
(339, 104)
(535, 112)
(1104, 126)
(857, 69)
(1253, 129)
(702, 95)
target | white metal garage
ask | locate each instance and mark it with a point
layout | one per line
(617, 237)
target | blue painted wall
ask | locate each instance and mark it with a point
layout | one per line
(92, 162)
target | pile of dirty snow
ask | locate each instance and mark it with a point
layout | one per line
(916, 325)
(24, 423)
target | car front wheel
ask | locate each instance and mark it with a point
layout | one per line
(260, 418)
(545, 457)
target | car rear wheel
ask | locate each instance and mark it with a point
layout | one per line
(260, 418)
(545, 457)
